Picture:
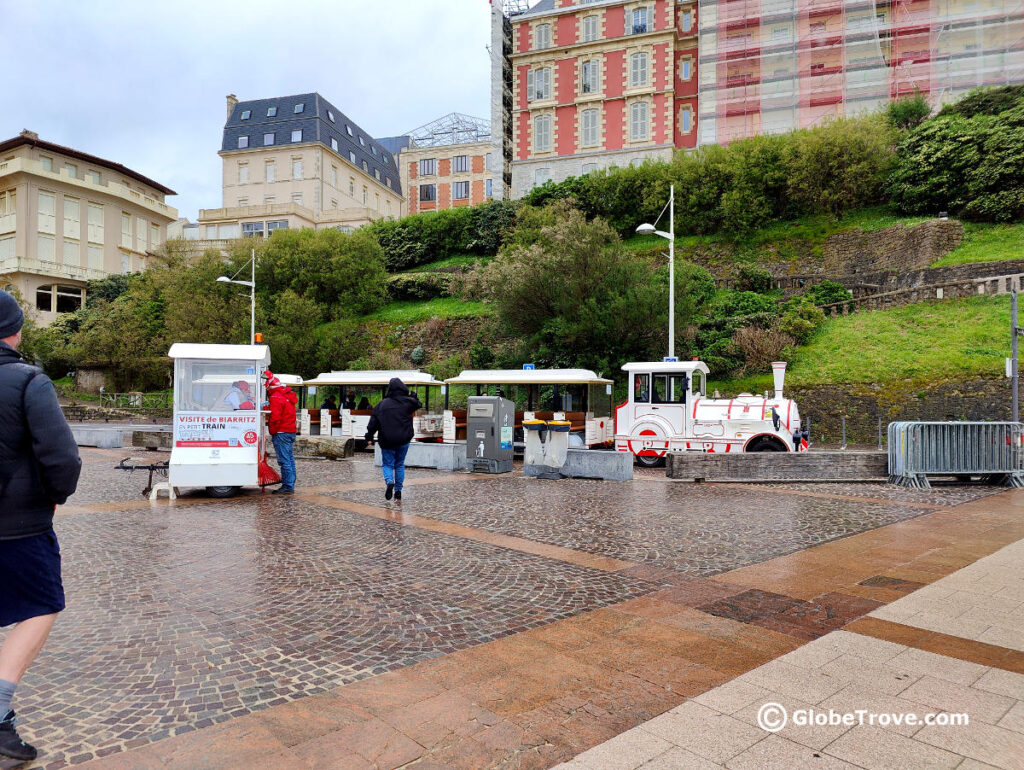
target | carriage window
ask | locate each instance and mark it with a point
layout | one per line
(641, 390)
(669, 389)
(698, 383)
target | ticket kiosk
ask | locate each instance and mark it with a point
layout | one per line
(218, 421)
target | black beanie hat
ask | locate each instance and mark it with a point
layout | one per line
(11, 316)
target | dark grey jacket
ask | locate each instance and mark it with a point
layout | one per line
(392, 417)
(39, 462)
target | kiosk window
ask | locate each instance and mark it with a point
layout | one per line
(669, 389)
(641, 388)
(697, 379)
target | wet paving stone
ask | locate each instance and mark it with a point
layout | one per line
(691, 528)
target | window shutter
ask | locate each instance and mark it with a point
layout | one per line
(530, 82)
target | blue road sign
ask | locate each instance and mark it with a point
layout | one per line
(528, 367)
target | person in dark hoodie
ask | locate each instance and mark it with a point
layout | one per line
(282, 430)
(39, 468)
(392, 421)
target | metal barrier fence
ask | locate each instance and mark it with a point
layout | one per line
(162, 400)
(991, 450)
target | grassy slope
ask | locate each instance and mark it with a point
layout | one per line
(414, 311)
(987, 243)
(458, 260)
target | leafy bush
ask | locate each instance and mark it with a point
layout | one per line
(419, 285)
(754, 278)
(966, 161)
(827, 292)
(741, 303)
(760, 347)
(800, 318)
(904, 114)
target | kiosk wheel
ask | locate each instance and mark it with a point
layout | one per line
(222, 491)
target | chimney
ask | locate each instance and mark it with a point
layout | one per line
(232, 101)
(779, 371)
(29, 135)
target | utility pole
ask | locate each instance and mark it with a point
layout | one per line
(1014, 376)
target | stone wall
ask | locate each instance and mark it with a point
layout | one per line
(897, 248)
(883, 281)
(862, 405)
(777, 466)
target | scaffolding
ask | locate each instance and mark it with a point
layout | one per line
(454, 128)
(769, 66)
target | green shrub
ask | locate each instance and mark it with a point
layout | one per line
(419, 286)
(827, 292)
(904, 114)
(743, 303)
(754, 278)
(986, 101)
(800, 319)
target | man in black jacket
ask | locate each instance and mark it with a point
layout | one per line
(39, 467)
(392, 419)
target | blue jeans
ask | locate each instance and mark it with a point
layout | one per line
(393, 465)
(285, 458)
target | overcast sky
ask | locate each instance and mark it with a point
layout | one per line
(143, 82)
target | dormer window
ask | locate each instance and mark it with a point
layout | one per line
(362, 141)
(348, 130)
(271, 112)
(352, 156)
(299, 108)
(243, 142)
(246, 114)
(330, 116)
(373, 149)
(334, 144)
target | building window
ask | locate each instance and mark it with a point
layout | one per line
(334, 144)
(589, 168)
(44, 298)
(72, 252)
(72, 218)
(277, 224)
(6, 248)
(589, 77)
(428, 166)
(639, 21)
(126, 264)
(268, 139)
(72, 170)
(352, 186)
(94, 177)
(638, 69)
(460, 163)
(366, 168)
(243, 173)
(348, 130)
(686, 120)
(330, 116)
(460, 191)
(271, 112)
(334, 203)
(542, 36)
(542, 133)
(154, 236)
(47, 213)
(140, 234)
(126, 230)
(376, 173)
(334, 176)
(352, 157)
(377, 200)
(47, 163)
(69, 299)
(246, 114)
(252, 229)
(638, 121)
(388, 181)
(297, 135)
(271, 168)
(590, 28)
(541, 176)
(538, 84)
(299, 108)
(373, 149)
(365, 194)
(487, 187)
(243, 142)
(8, 202)
(687, 69)
(243, 201)
(296, 169)
(687, 21)
(362, 141)
(588, 128)
(95, 227)
(428, 192)
(95, 257)
(269, 199)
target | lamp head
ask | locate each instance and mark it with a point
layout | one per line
(223, 279)
(645, 229)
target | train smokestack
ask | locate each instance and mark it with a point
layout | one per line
(779, 372)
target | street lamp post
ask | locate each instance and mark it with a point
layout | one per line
(252, 297)
(647, 229)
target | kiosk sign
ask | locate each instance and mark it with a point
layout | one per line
(197, 429)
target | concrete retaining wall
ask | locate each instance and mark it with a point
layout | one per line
(443, 457)
(778, 466)
(591, 464)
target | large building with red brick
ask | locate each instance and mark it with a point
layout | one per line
(581, 85)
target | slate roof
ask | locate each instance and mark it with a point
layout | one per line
(319, 120)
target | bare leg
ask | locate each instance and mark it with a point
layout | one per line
(22, 645)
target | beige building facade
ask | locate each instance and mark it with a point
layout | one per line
(67, 217)
(295, 162)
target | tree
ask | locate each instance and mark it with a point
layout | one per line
(575, 296)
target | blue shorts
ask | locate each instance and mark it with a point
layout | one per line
(30, 583)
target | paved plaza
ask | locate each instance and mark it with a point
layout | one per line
(521, 623)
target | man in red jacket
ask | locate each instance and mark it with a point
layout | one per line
(282, 430)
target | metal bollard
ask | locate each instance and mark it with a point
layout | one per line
(844, 433)
(879, 433)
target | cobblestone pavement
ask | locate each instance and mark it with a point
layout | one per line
(184, 616)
